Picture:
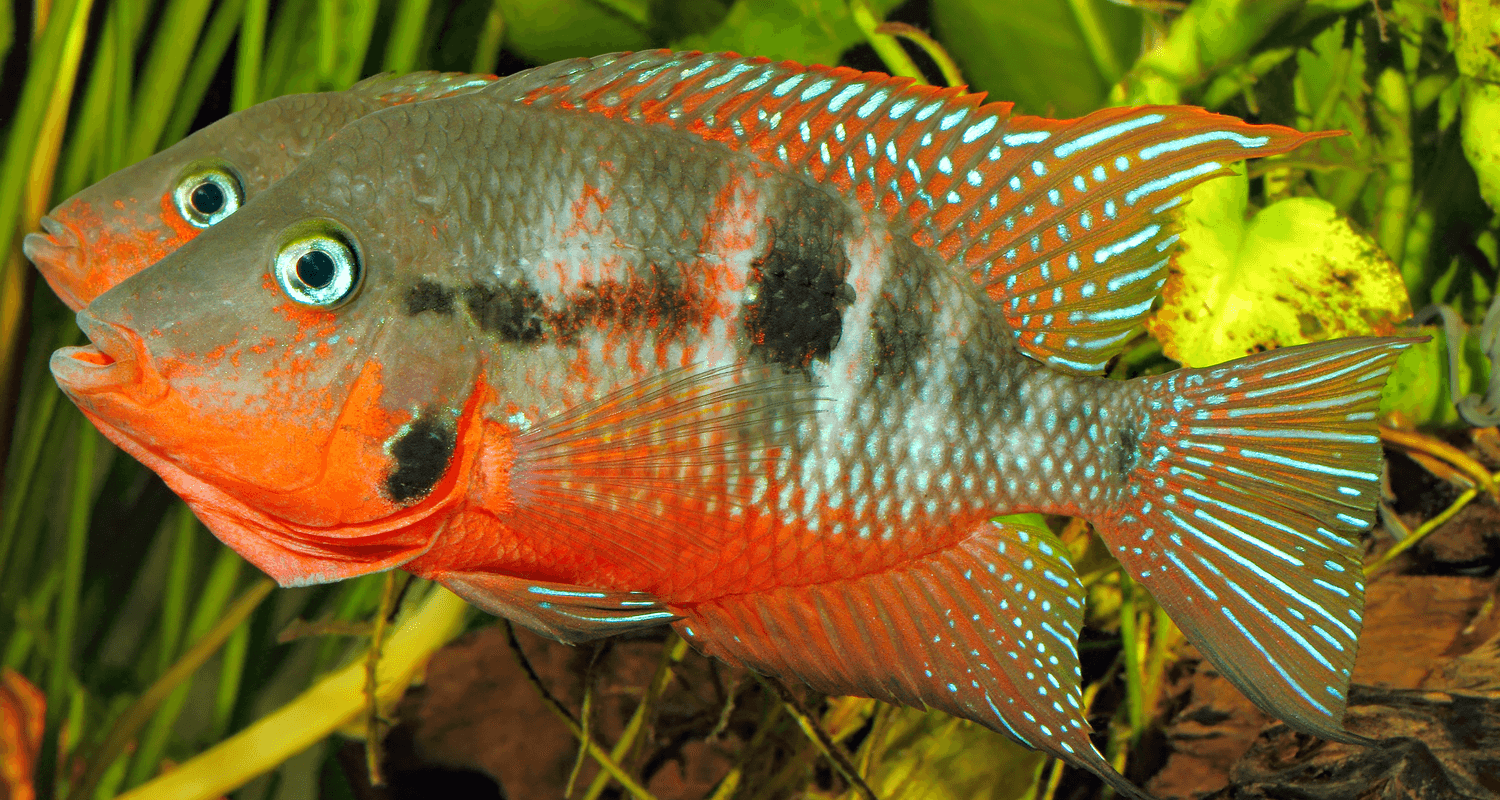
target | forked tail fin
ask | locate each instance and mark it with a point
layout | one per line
(1251, 483)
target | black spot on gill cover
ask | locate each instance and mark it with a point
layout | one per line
(427, 296)
(798, 311)
(512, 311)
(422, 454)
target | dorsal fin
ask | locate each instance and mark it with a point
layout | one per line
(1064, 223)
(391, 89)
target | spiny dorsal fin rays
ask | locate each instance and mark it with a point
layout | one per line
(1245, 533)
(391, 89)
(986, 629)
(1065, 223)
(652, 471)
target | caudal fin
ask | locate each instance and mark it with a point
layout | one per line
(1253, 481)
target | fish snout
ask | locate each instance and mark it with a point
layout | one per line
(59, 255)
(116, 361)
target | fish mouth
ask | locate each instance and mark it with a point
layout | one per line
(58, 254)
(115, 359)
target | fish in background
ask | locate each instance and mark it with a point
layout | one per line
(759, 350)
(131, 219)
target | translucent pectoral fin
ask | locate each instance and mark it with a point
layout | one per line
(565, 612)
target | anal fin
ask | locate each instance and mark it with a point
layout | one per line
(986, 629)
(564, 612)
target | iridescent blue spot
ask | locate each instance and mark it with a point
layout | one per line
(953, 119)
(945, 166)
(1038, 168)
(1099, 176)
(1031, 137)
(871, 104)
(817, 89)
(732, 73)
(899, 109)
(979, 129)
(1079, 184)
(1086, 220)
(844, 96)
(1015, 183)
(1054, 196)
(786, 86)
(928, 110)
(974, 178)
(1109, 209)
(955, 198)
(1062, 232)
(1171, 180)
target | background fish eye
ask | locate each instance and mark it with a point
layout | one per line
(318, 270)
(204, 197)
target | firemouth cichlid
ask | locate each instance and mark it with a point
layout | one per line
(759, 350)
(130, 220)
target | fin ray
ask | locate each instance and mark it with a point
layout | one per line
(564, 612)
(955, 630)
(1253, 481)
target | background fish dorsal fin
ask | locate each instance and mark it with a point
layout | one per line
(986, 629)
(661, 474)
(561, 611)
(1065, 223)
(391, 89)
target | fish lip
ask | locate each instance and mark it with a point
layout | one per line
(115, 358)
(59, 255)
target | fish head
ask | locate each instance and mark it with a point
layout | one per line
(136, 216)
(270, 371)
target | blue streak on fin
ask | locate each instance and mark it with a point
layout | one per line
(1073, 232)
(986, 629)
(564, 612)
(1249, 485)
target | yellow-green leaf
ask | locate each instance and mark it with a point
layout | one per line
(1296, 272)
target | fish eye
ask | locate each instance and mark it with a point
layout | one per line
(318, 270)
(206, 196)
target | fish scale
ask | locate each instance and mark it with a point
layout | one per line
(760, 349)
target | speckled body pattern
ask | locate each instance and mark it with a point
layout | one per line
(128, 221)
(760, 349)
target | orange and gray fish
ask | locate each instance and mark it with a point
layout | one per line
(130, 220)
(759, 350)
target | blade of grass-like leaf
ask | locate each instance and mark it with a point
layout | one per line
(179, 586)
(86, 160)
(358, 28)
(80, 505)
(44, 71)
(491, 37)
(210, 605)
(122, 68)
(670, 654)
(231, 672)
(280, 55)
(248, 55)
(952, 76)
(1392, 108)
(313, 714)
(161, 81)
(891, 54)
(200, 74)
(1092, 29)
(7, 32)
(18, 488)
(139, 713)
(26, 184)
(406, 35)
(328, 20)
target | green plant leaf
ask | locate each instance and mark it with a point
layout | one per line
(1418, 386)
(809, 31)
(930, 755)
(543, 31)
(1296, 272)
(1051, 57)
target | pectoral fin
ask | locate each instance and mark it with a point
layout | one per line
(565, 612)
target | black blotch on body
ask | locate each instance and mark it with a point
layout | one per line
(1129, 453)
(903, 314)
(422, 454)
(657, 304)
(512, 311)
(427, 296)
(798, 311)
